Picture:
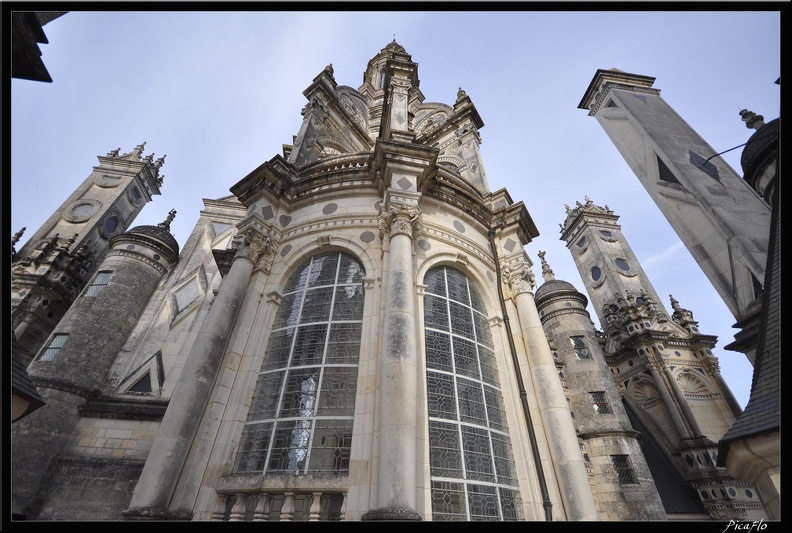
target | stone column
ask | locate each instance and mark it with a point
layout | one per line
(553, 408)
(398, 374)
(655, 365)
(179, 425)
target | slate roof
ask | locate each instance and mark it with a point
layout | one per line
(677, 495)
(763, 412)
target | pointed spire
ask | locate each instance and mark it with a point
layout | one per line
(139, 149)
(159, 162)
(547, 272)
(166, 224)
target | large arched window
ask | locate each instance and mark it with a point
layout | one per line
(300, 421)
(472, 466)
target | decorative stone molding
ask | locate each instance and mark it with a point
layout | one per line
(254, 245)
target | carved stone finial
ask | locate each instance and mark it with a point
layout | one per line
(68, 243)
(166, 223)
(329, 69)
(547, 272)
(568, 209)
(17, 235)
(113, 153)
(752, 120)
(461, 94)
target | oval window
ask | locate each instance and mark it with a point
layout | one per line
(606, 233)
(83, 211)
(596, 273)
(581, 242)
(621, 263)
(111, 225)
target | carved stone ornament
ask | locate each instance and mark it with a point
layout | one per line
(520, 279)
(250, 244)
(399, 218)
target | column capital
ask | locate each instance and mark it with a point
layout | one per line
(399, 217)
(519, 278)
(258, 247)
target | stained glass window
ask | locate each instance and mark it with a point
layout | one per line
(471, 461)
(300, 421)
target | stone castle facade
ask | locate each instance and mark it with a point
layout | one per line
(356, 333)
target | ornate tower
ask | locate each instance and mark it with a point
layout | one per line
(52, 267)
(609, 444)
(73, 367)
(721, 220)
(663, 364)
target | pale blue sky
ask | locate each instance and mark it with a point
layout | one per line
(221, 92)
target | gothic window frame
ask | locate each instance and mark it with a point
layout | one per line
(472, 470)
(301, 417)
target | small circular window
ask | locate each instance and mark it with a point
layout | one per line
(581, 242)
(596, 273)
(111, 225)
(622, 264)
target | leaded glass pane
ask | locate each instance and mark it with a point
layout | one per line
(435, 313)
(465, 360)
(477, 301)
(290, 446)
(445, 457)
(348, 303)
(265, 400)
(471, 402)
(461, 320)
(299, 396)
(337, 396)
(309, 345)
(448, 501)
(288, 312)
(316, 306)
(495, 411)
(483, 334)
(278, 349)
(438, 351)
(457, 286)
(478, 456)
(351, 272)
(510, 502)
(489, 369)
(254, 447)
(323, 270)
(442, 403)
(298, 280)
(52, 349)
(504, 461)
(343, 344)
(483, 502)
(435, 282)
(330, 449)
